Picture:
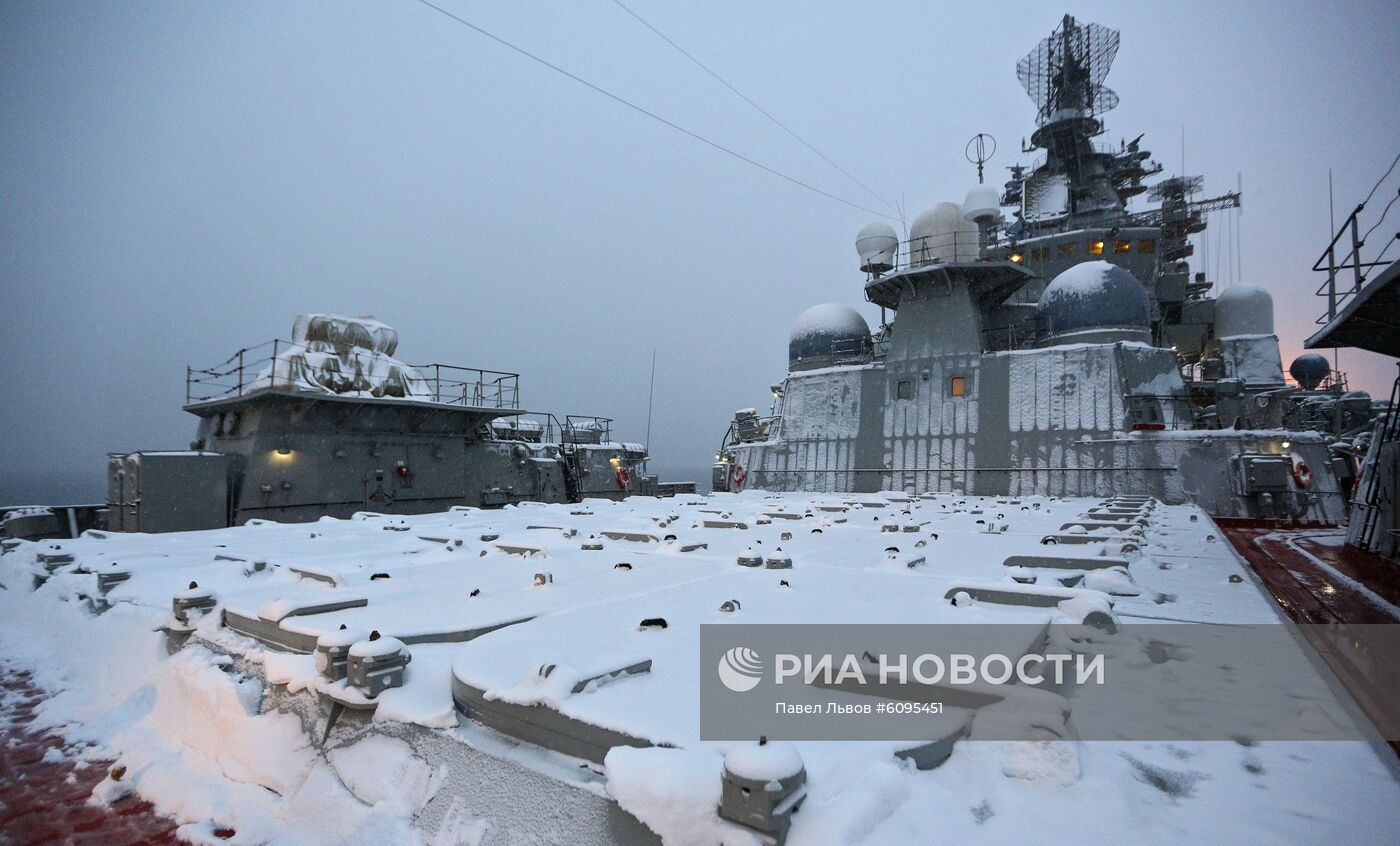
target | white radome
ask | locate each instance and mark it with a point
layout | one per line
(983, 203)
(877, 244)
(942, 234)
(1244, 310)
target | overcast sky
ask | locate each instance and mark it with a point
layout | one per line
(179, 180)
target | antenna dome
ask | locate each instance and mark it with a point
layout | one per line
(826, 333)
(1244, 310)
(1096, 300)
(942, 234)
(983, 204)
(877, 244)
(1309, 369)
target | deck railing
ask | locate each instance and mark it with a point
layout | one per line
(1344, 253)
(266, 366)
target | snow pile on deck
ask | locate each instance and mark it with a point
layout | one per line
(226, 732)
(344, 355)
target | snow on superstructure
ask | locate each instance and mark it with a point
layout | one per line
(1067, 349)
(557, 707)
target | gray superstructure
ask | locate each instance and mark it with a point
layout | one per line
(330, 424)
(1065, 348)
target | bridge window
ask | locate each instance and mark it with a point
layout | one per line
(957, 386)
(1069, 249)
(905, 389)
(1147, 245)
(1122, 246)
(1095, 248)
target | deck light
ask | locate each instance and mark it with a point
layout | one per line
(1016, 257)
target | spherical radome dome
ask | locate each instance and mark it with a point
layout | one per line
(1094, 295)
(983, 203)
(1244, 310)
(826, 330)
(942, 234)
(877, 244)
(1309, 369)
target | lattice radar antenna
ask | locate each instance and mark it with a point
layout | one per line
(1064, 74)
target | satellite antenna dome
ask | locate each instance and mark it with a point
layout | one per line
(1097, 302)
(1244, 310)
(983, 204)
(1309, 369)
(877, 244)
(942, 234)
(825, 334)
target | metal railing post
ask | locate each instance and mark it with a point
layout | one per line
(1355, 251)
(1332, 280)
(272, 378)
(240, 373)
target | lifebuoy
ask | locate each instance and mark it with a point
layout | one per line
(739, 475)
(1302, 473)
(624, 477)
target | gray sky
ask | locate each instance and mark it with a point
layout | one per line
(179, 180)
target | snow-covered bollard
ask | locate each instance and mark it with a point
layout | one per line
(763, 785)
(191, 603)
(750, 557)
(592, 544)
(333, 651)
(376, 664)
(110, 576)
(779, 560)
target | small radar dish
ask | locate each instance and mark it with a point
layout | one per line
(980, 151)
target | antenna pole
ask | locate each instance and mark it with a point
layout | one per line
(651, 393)
(1331, 277)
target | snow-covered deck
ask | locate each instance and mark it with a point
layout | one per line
(485, 599)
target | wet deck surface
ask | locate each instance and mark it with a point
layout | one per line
(1318, 579)
(43, 794)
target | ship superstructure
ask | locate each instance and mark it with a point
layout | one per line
(330, 423)
(1047, 339)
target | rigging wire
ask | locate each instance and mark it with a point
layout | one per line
(1382, 179)
(654, 116)
(722, 81)
(1381, 220)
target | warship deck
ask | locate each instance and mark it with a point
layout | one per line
(478, 746)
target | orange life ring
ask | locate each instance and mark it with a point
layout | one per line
(739, 475)
(1302, 474)
(624, 477)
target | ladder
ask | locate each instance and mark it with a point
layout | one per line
(1370, 507)
(568, 460)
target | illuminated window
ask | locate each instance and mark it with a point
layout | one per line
(1122, 246)
(1069, 249)
(1147, 245)
(1095, 248)
(905, 389)
(1040, 254)
(957, 386)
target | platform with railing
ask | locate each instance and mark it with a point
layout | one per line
(271, 365)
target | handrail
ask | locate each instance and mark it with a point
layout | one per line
(1351, 259)
(445, 384)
